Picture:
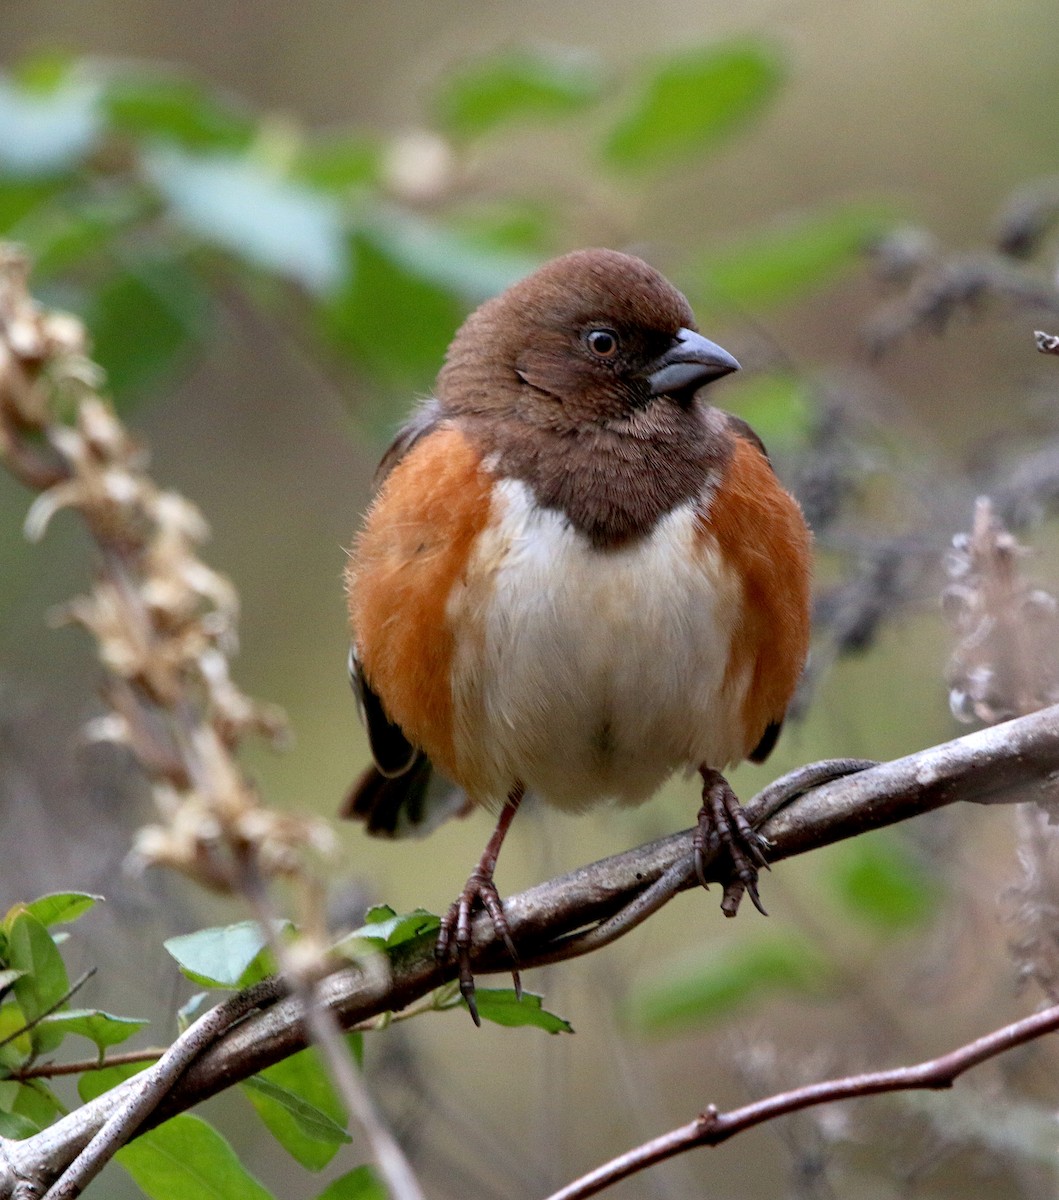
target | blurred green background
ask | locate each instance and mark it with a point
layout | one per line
(272, 218)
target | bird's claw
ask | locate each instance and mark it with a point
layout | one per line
(455, 934)
(722, 823)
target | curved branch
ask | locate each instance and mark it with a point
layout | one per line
(711, 1127)
(1015, 761)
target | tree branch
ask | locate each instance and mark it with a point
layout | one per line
(1015, 761)
(711, 1127)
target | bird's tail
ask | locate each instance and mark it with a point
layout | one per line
(410, 804)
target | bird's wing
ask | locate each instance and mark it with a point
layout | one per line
(425, 419)
(780, 642)
(400, 793)
(393, 753)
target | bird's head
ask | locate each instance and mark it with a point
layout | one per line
(590, 339)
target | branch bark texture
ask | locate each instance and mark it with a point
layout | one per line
(1016, 761)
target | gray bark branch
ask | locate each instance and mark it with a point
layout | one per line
(1015, 761)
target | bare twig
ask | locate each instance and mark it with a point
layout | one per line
(72, 990)
(711, 1127)
(1015, 761)
(144, 1093)
(52, 1070)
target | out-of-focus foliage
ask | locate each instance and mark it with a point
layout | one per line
(691, 102)
(145, 196)
(522, 85)
(725, 981)
(148, 199)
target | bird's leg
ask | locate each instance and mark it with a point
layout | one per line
(722, 822)
(480, 888)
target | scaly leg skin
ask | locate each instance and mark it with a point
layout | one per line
(722, 822)
(480, 889)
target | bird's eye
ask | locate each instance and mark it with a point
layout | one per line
(602, 342)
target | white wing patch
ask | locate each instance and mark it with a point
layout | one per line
(590, 674)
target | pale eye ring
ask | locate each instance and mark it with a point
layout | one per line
(602, 342)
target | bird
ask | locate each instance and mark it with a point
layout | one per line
(576, 578)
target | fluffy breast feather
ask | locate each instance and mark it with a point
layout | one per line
(591, 674)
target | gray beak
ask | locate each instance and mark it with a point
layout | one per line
(691, 361)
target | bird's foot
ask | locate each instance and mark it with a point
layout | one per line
(455, 933)
(722, 823)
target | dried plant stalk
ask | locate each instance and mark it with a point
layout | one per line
(1006, 662)
(164, 622)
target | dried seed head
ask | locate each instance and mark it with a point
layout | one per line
(1006, 660)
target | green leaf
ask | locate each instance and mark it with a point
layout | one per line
(161, 107)
(59, 908)
(386, 928)
(518, 85)
(63, 235)
(783, 262)
(517, 227)
(16, 1126)
(8, 977)
(726, 980)
(461, 263)
(225, 956)
(102, 1028)
(45, 132)
(94, 1083)
(37, 1103)
(17, 1045)
(358, 1184)
(339, 163)
(777, 407)
(502, 1007)
(44, 982)
(247, 207)
(880, 882)
(187, 1158)
(191, 1010)
(21, 197)
(391, 317)
(145, 323)
(44, 71)
(690, 103)
(296, 1101)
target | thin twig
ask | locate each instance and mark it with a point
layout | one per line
(1017, 760)
(74, 988)
(142, 1099)
(711, 1127)
(53, 1070)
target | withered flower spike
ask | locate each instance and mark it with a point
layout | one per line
(164, 622)
(1006, 661)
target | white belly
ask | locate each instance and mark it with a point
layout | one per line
(590, 674)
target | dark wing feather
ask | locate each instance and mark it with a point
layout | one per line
(425, 419)
(772, 731)
(392, 751)
(397, 794)
(741, 429)
(768, 742)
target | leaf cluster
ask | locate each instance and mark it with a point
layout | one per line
(148, 199)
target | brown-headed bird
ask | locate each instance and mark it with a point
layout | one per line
(576, 576)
